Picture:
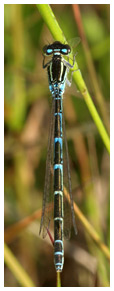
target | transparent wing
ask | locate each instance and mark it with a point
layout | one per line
(69, 216)
(47, 196)
(74, 42)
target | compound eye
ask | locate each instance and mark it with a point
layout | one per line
(49, 51)
(68, 49)
(45, 49)
(64, 51)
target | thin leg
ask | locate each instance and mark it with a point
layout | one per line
(45, 65)
(67, 64)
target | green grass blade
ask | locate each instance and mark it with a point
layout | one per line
(16, 269)
(58, 279)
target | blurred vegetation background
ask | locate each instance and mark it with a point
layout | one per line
(27, 111)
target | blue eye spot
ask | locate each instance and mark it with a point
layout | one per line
(49, 51)
(64, 50)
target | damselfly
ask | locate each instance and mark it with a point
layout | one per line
(57, 69)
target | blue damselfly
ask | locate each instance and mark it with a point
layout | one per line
(57, 69)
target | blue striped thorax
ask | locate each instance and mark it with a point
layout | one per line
(57, 68)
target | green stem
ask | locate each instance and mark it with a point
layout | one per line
(17, 270)
(98, 94)
(83, 89)
(58, 279)
(49, 18)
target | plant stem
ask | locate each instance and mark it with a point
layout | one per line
(58, 279)
(90, 229)
(17, 270)
(98, 94)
